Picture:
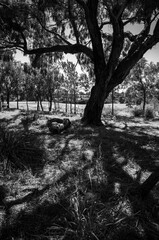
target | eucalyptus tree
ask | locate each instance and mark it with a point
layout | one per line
(53, 81)
(71, 78)
(7, 80)
(18, 81)
(98, 31)
(141, 83)
(5, 57)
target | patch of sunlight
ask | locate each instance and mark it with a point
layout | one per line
(132, 169)
(143, 176)
(62, 145)
(116, 155)
(75, 144)
(147, 147)
(50, 174)
(97, 175)
(117, 188)
(120, 160)
(125, 207)
(69, 164)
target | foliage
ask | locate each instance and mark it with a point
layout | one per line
(138, 112)
(94, 30)
(149, 113)
(141, 83)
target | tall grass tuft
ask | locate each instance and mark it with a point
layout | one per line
(20, 149)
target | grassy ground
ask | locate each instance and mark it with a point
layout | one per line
(76, 185)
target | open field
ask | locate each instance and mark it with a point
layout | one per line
(122, 108)
(77, 184)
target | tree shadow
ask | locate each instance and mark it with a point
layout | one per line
(122, 160)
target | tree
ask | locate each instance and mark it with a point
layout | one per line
(18, 81)
(5, 57)
(71, 77)
(94, 30)
(28, 84)
(7, 79)
(52, 84)
(141, 83)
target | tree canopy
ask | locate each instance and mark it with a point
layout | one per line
(97, 31)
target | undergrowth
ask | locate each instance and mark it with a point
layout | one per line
(20, 149)
(74, 196)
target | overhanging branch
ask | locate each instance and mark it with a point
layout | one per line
(76, 48)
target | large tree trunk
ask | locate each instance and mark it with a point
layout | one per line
(95, 104)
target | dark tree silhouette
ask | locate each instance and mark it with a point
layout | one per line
(95, 30)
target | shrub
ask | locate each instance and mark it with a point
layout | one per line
(137, 112)
(149, 113)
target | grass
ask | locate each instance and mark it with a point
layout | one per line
(77, 184)
(20, 149)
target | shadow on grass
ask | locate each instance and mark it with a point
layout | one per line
(90, 199)
(21, 150)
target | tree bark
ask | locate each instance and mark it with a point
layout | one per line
(50, 103)
(17, 102)
(41, 105)
(148, 185)
(95, 104)
(144, 100)
(8, 99)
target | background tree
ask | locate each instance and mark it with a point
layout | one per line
(7, 78)
(141, 83)
(28, 84)
(84, 84)
(83, 28)
(71, 78)
(18, 81)
(5, 57)
(52, 84)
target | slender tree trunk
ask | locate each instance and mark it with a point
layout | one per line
(74, 102)
(17, 102)
(50, 104)
(38, 106)
(144, 100)
(54, 99)
(112, 102)
(66, 105)
(27, 105)
(70, 100)
(8, 99)
(41, 105)
(58, 101)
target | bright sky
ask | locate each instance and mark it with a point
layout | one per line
(153, 54)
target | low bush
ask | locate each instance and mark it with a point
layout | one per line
(149, 113)
(137, 112)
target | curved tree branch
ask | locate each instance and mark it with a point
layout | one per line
(75, 48)
(118, 36)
